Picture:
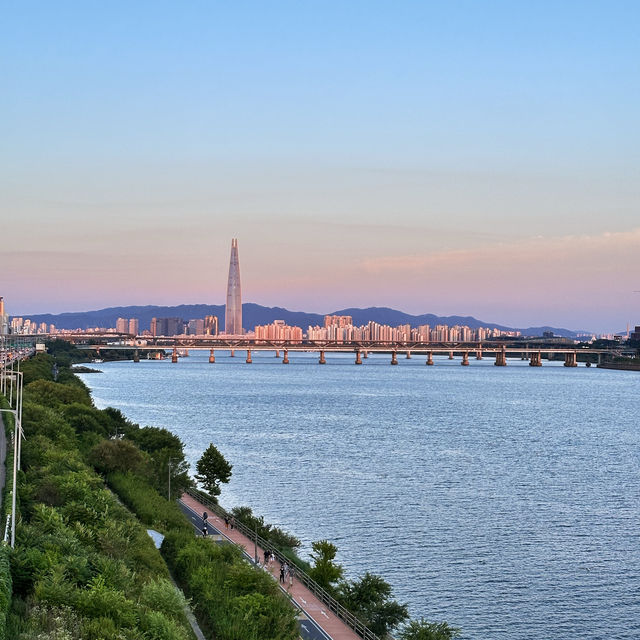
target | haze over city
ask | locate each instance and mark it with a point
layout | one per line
(478, 159)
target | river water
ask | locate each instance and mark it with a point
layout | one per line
(504, 500)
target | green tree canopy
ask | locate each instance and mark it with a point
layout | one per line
(325, 571)
(212, 470)
(116, 455)
(423, 630)
(370, 599)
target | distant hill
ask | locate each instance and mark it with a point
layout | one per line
(253, 314)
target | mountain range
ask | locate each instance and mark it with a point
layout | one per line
(255, 314)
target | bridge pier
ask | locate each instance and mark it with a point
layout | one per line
(285, 359)
(322, 360)
(212, 357)
(136, 356)
(277, 353)
(233, 353)
(501, 358)
(571, 359)
(358, 360)
(174, 355)
(394, 357)
(478, 354)
(365, 354)
(408, 355)
(248, 360)
(535, 360)
(429, 358)
(465, 359)
(450, 355)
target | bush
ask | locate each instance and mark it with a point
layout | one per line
(116, 455)
(233, 600)
(55, 394)
(152, 509)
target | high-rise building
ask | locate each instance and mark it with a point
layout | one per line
(4, 318)
(233, 310)
(167, 326)
(122, 325)
(196, 327)
(211, 325)
(134, 326)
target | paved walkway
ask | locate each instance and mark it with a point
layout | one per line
(333, 627)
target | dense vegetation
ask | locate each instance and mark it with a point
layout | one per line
(83, 566)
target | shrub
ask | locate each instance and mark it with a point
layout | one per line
(116, 455)
(54, 394)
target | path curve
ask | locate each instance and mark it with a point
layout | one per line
(315, 609)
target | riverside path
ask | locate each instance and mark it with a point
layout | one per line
(317, 621)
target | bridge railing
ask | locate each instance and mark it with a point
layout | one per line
(326, 598)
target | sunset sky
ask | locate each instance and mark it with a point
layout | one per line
(473, 158)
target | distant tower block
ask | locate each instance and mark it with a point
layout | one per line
(233, 310)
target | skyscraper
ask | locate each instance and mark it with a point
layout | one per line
(233, 310)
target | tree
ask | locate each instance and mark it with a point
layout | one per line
(212, 469)
(423, 630)
(116, 455)
(166, 452)
(370, 599)
(325, 571)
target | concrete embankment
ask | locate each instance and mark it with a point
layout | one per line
(622, 366)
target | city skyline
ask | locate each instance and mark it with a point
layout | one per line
(471, 159)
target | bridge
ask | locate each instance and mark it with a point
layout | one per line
(532, 350)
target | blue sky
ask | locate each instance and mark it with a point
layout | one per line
(363, 153)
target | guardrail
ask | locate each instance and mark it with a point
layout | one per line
(332, 604)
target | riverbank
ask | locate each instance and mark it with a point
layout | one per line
(621, 366)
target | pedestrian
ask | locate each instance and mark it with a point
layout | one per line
(205, 531)
(266, 557)
(291, 576)
(233, 521)
(226, 522)
(282, 573)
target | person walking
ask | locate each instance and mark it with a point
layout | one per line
(282, 574)
(226, 522)
(233, 521)
(291, 577)
(205, 531)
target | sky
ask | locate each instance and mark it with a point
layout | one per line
(470, 158)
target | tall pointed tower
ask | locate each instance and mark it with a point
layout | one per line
(233, 311)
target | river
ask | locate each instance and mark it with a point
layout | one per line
(504, 500)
